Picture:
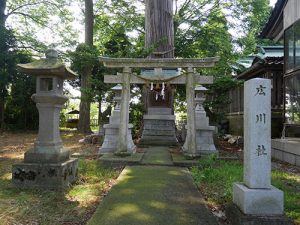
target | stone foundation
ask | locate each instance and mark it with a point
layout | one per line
(45, 175)
(159, 132)
(258, 201)
(110, 143)
(287, 150)
(159, 127)
(205, 141)
(237, 217)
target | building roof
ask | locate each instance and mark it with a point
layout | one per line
(268, 58)
(274, 27)
(262, 66)
(262, 53)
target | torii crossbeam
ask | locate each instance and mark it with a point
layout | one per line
(188, 77)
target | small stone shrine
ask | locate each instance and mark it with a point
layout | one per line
(48, 164)
(204, 133)
(189, 77)
(256, 200)
(159, 120)
(110, 143)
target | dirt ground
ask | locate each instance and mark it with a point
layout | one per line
(14, 144)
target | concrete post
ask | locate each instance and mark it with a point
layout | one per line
(189, 146)
(256, 195)
(124, 120)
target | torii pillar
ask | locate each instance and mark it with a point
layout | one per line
(190, 78)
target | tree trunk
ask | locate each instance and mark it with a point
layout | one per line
(159, 27)
(89, 21)
(3, 50)
(85, 103)
(2, 13)
(1, 114)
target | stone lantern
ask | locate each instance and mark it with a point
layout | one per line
(48, 164)
(111, 138)
(204, 132)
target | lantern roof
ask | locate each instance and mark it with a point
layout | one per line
(49, 66)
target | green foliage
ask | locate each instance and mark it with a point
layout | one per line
(15, 88)
(21, 111)
(218, 96)
(87, 56)
(28, 18)
(215, 179)
(289, 184)
(136, 118)
(7, 61)
(254, 14)
(93, 172)
(84, 56)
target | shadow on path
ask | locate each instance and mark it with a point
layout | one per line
(153, 195)
(157, 156)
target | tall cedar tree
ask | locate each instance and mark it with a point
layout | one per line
(85, 102)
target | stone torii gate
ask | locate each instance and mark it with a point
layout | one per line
(189, 77)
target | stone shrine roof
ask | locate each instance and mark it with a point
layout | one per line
(49, 66)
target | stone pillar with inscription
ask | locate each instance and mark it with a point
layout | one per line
(256, 199)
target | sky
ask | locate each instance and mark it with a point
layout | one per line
(272, 2)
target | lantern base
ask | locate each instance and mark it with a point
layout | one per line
(45, 175)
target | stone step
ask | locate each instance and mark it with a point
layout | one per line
(158, 142)
(159, 128)
(159, 132)
(159, 111)
(152, 137)
(159, 117)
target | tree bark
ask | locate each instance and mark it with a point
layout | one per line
(2, 13)
(85, 103)
(89, 21)
(3, 50)
(2, 114)
(159, 27)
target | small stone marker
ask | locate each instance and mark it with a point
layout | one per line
(256, 195)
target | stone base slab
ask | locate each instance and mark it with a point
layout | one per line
(237, 217)
(111, 160)
(46, 176)
(110, 142)
(158, 132)
(258, 201)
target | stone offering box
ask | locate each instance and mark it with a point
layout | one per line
(48, 164)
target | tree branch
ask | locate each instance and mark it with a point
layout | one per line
(13, 11)
(40, 22)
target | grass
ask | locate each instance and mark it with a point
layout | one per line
(215, 178)
(73, 206)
